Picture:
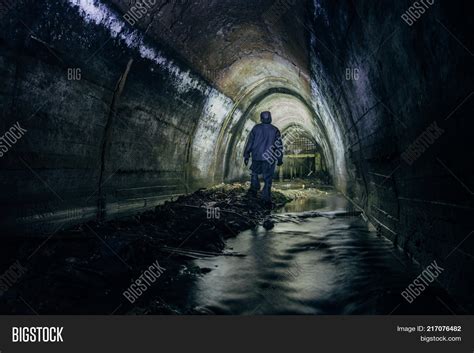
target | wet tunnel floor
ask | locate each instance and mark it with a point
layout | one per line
(315, 265)
(317, 259)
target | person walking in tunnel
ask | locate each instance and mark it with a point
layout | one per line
(266, 149)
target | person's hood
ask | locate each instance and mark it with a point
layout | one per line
(266, 117)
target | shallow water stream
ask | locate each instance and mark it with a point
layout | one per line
(311, 265)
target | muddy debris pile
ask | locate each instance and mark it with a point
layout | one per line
(90, 265)
(210, 216)
(200, 221)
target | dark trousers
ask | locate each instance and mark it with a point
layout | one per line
(266, 170)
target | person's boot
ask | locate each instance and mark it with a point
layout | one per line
(252, 193)
(268, 204)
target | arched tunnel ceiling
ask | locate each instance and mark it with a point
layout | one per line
(241, 72)
(232, 43)
(247, 50)
(287, 110)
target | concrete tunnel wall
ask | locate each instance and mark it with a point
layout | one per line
(408, 78)
(97, 149)
(139, 139)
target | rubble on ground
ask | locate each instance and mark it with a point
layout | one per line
(85, 270)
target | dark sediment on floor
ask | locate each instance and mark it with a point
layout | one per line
(86, 269)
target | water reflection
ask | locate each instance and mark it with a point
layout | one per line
(320, 265)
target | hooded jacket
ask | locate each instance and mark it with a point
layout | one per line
(264, 143)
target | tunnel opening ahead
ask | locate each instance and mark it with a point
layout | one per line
(291, 112)
(304, 158)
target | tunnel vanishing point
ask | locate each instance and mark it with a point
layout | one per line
(111, 107)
